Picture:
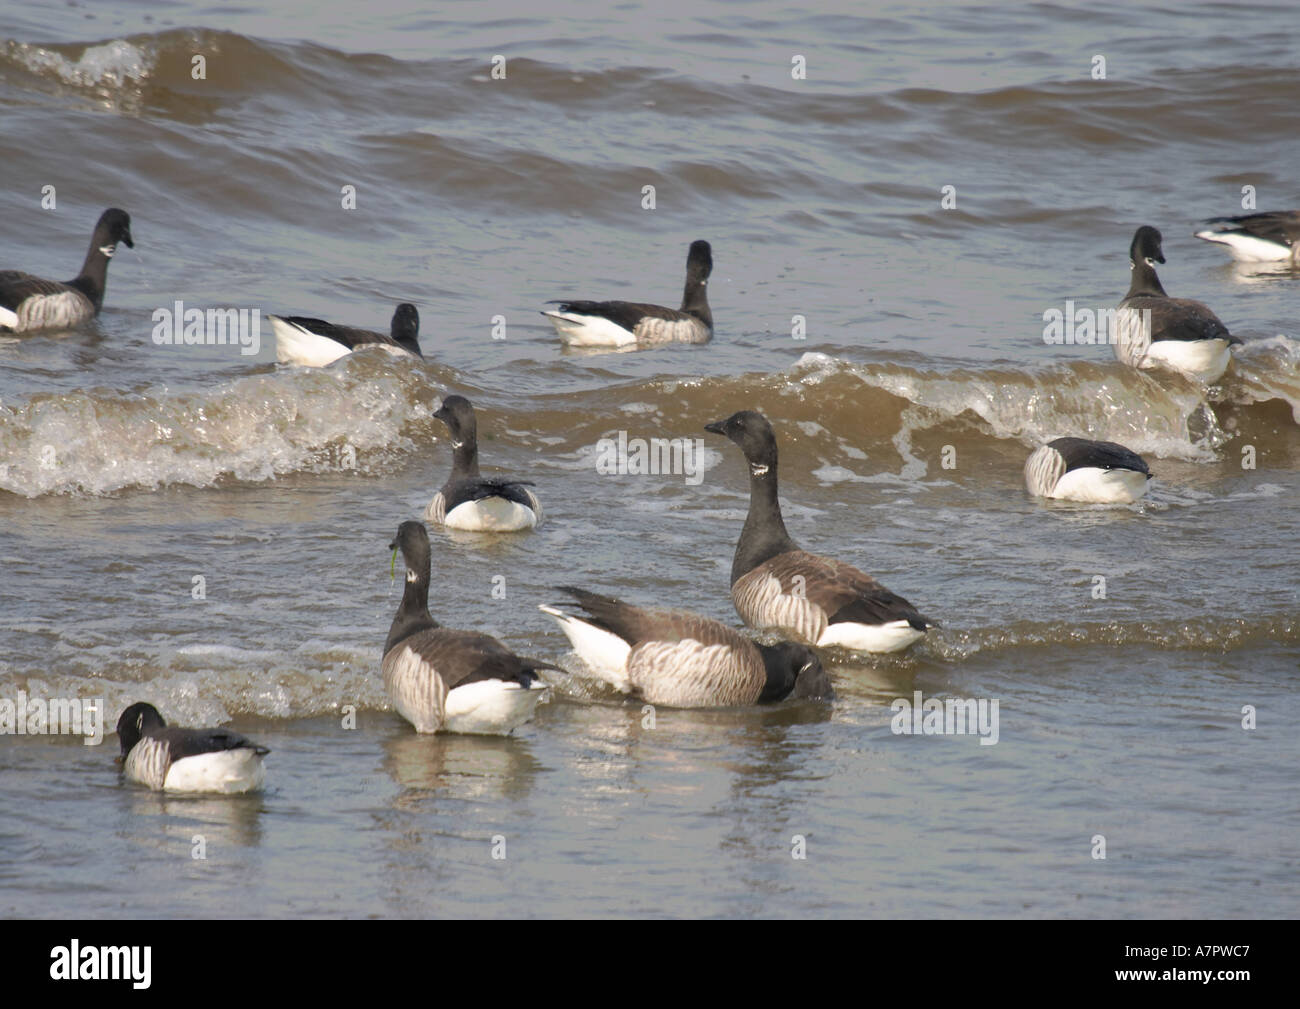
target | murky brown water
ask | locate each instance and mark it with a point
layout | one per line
(476, 198)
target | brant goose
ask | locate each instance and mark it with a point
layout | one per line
(1095, 472)
(684, 660)
(460, 681)
(1258, 238)
(187, 760)
(314, 342)
(28, 302)
(1184, 335)
(472, 502)
(624, 323)
(777, 586)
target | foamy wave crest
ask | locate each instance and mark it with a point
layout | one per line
(1167, 419)
(105, 65)
(1267, 369)
(348, 418)
(304, 684)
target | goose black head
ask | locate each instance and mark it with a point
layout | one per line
(1146, 246)
(797, 667)
(413, 540)
(137, 721)
(114, 226)
(750, 430)
(699, 261)
(457, 413)
(405, 330)
(812, 680)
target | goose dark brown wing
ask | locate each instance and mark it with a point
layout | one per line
(622, 313)
(1280, 226)
(348, 336)
(636, 624)
(456, 493)
(183, 743)
(1182, 319)
(806, 592)
(1081, 452)
(16, 287)
(460, 657)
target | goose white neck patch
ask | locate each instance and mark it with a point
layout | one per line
(758, 470)
(411, 576)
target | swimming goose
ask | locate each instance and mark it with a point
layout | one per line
(623, 323)
(28, 302)
(1258, 238)
(314, 342)
(1096, 472)
(777, 586)
(1183, 334)
(441, 679)
(187, 760)
(684, 660)
(472, 502)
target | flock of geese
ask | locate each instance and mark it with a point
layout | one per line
(441, 679)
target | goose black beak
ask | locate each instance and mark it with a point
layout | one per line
(717, 427)
(127, 239)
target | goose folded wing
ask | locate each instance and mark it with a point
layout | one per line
(634, 624)
(1282, 227)
(1184, 319)
(346, 335)
(622, 313)
(183, 743)
(16, 287)
(1079, 452)
(460, 657)
(844, 593)
(482, 488)
(485, 487)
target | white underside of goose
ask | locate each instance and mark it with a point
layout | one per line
(226, 771)
(604, 653)
(8, 319)
(1093, 485)
(880, 638)
(1249, 248)
(484, 707)
(1204, 360)
(232, 771)
(589, 330)
(487, 515)
(491, 707)
(295, 345)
